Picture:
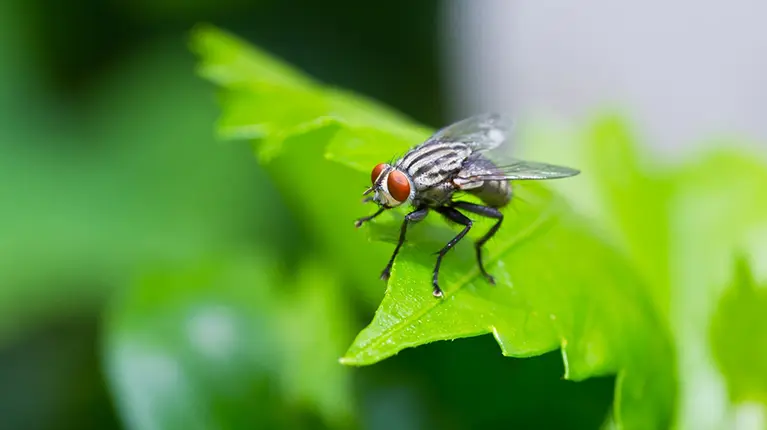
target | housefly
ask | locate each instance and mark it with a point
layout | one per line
(467, 156)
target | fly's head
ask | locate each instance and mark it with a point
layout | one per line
(391, 187)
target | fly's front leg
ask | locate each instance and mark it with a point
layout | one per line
(455, 216)
(411, 218)
(362, 220)
(489, 212)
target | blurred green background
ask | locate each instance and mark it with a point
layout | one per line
(153, 277)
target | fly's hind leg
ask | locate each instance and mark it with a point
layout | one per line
(489, 212)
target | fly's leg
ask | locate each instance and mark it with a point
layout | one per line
(411, 218)
(489, 212)
(455, 216)
(362, 220)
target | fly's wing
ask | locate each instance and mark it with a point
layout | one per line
(482, 169)
(489, 135)
(521, 169)
(481, 133)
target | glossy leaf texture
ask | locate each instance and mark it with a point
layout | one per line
(265, 98)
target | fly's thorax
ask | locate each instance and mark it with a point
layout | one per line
(436, 196)
(435, 163)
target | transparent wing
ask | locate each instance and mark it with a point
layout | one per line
(490, 135)
(481, 132)
(482, 170)
(521, 169)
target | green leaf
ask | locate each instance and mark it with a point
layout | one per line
(230, 62)
(265, 98)
(561, 282)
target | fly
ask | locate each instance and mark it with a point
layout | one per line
(467, 156)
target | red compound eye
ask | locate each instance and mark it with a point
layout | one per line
(399, 186)
(377, 172)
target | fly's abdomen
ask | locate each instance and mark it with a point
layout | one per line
(493, 193)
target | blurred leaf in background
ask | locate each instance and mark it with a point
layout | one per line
(719, 216)
(684, 225)
(130, 196)
(97, 188)
(739, 337)
(229, 344)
